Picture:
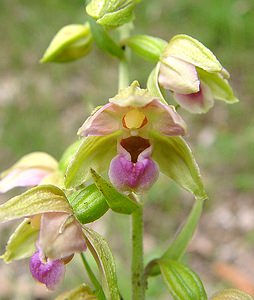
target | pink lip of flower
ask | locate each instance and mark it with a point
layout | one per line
(135, 113)
(60, 237)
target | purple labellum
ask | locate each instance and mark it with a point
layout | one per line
(133, 169)
(50, 272)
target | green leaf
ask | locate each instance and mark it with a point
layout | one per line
(104, 41)
(68, 154)
(21, 243)
(38, 200)
(219, 86)
(176, 161)
(192, 51)
(82, 292)
(148, 47)
(104, 258)
(88, 204)
(94, 152)
(70, 43)
(182, 283)
(116, 201)
(231, 294)
(153, 84)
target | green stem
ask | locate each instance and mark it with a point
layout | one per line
(124, 79)
(99, 291)
(138, 283)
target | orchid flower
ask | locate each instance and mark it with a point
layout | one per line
(31, 170)
(133, 138)
(50, 234)
(194, 75)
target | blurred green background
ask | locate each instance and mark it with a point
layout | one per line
(42, 106)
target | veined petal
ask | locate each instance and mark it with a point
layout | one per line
(60, 236)
(199, 102)
(49, 272)
(38, 200)
(164, 118)
(104, 121)
(132, 96)
(23, 178)
(95, 152)
(178, 75)
(218, 85)
(192, 51)
(176, 160)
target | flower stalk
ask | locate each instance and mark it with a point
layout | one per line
(138, 283)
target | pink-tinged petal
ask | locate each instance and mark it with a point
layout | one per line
(60, 236)
(165, 119)
(178, 76)
(197, 103)
(22, 178)
(128, 176)
(104, 121)
(49, 272)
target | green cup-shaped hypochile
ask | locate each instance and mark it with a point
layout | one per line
(231, 294)
(88, 204)
(112, 13)
(70, 43)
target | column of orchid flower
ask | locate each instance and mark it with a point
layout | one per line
(124, 146)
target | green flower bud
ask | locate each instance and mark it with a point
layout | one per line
(182, 282)
(70, 43)
(231, 294)
(88, 204)
(112, 13)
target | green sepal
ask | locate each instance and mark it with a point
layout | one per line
(105, 261)
(94, 152)
(70, 43)
(148, 47)
(153, 85)
(104, 41)
(192, 51)
(177, 162)
(111, 13)
(117, 202)
(21, 243)
(82, 292)
(181, 281)
(219, 86)
(38, 200)
(67, 155)
(88, 204)
(231, 294)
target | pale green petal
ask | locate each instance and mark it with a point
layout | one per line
(153, 84)
(231, 294)
(176, 160)
(34, 160)
(219, 86)
(82, 292)
(132, 96)
(38, 200)
(21, 243)
(95, 152)
(192, 51)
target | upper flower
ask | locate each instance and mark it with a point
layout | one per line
(134, 113)
(194, 75)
